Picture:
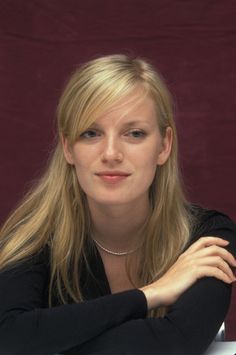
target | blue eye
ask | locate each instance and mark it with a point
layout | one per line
(93, 134)
(89, 134)
(137, 134)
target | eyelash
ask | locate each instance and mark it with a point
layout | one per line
(143, 134)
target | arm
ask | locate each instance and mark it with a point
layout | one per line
(28, 327)
(191, 322)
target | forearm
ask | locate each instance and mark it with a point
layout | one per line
(188, 328)
(48, 331)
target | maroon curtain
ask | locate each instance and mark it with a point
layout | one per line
(193, 43)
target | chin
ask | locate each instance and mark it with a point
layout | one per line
(109, 200)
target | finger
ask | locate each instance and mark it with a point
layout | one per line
(206, 241)
(215, 250)
(218, 262)
(211, 271)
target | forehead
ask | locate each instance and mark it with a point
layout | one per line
(130, 110)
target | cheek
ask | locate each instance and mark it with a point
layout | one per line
(81, 168)
(146, 169)
(84, 181)
(147, 158)
(81, 160)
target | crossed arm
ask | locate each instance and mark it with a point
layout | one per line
(113, 324)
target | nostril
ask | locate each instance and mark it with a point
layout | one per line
(115, 155)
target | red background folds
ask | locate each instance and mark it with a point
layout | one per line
(193, 43)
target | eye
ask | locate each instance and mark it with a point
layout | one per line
(137, 133)
(89, 134)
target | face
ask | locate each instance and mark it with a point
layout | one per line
(116, 158)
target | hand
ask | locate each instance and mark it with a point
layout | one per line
(206, 257)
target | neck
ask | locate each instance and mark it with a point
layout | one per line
(119, 227)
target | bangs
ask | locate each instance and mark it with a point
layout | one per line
(95, 99)
(98, 86)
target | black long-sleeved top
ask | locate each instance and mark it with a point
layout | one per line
(110, 324)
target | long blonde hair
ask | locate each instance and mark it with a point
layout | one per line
(55, 211)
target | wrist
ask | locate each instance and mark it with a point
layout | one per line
(151, 295)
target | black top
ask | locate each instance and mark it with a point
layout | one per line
(108, 323)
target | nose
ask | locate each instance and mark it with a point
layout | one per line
(112, 150)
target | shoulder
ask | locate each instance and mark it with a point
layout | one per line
(204, 217)
(36, 261)
(210, 222)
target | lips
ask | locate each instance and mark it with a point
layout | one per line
(112, 173)
(112, 177)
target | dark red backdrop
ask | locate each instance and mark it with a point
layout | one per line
(193, 43)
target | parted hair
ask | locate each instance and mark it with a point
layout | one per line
(55, 213)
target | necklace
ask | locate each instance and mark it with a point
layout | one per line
(118, 253)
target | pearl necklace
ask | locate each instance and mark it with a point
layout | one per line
(117, 253)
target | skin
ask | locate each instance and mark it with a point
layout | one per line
(206, 257)
(119, 210)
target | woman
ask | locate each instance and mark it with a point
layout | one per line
(105, 255)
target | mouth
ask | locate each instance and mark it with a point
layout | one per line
(112, 178)
(113, 173)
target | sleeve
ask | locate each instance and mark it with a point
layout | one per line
(190, 324)
(27, 327)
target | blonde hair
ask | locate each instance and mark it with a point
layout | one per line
(55, 212)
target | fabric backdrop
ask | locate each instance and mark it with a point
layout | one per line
(192, 42)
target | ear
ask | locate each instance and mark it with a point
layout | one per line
(67, 150)
(166, 147)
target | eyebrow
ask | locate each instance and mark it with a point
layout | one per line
(126, 124)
